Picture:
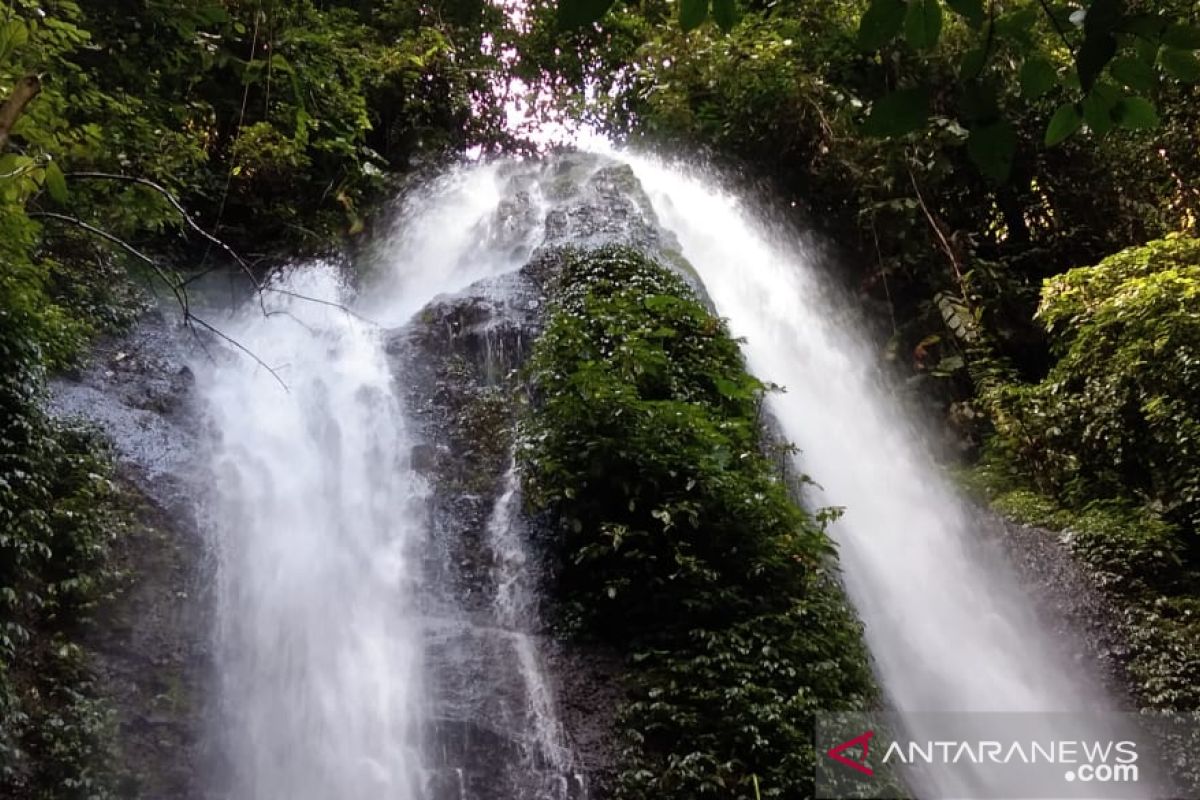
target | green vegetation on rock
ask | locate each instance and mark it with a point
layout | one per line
(680, 543)
(1107, 447)
(1117, 414)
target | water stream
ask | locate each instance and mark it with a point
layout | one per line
(327, 609)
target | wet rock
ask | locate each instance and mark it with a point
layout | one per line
(461, 359)
(149, 646)
(1083, 620)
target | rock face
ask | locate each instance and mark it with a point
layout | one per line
(517, 714)
(150, 645)
(1084, 620)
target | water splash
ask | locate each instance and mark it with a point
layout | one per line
(515, 608)
(320, 668)
(946, 621)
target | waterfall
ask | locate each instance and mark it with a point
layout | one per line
(351, 632)
(315, 528)
(946, 621)
(329, 619)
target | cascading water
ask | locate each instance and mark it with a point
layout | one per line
(326, 615)
(315, 530)
(949, 628)
(350, 625)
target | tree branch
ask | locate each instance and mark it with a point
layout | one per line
(26, 89)
(175, 285)
(245, 266)
(1057, 27)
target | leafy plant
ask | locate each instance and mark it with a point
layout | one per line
(679, 541)
(1116, 415)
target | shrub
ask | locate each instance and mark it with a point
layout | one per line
(1116, 416)
(680, 543)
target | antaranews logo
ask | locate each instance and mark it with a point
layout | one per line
(862, 742)
(1005, 756)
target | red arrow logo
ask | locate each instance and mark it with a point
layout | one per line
(860, 764)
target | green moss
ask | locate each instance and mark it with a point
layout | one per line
(680, 544)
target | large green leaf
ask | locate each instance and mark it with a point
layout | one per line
(1185, 37)
(1066, 120)
(692, 14)
(1017, 25)
(56, 183)
(578, 13)
(1144, 26)
(1103, 16)
(1038, 76)
(898, 113)
(972, 64)
(1136, 113)
(992, 148)
(880, 24)
(971, 10)
(923, 23)
(1183, 64)
(1098, 108)
(1133, 72)
(978, 102)
(13, 34)
(724, 13)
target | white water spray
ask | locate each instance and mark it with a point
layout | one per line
(949, 628)
(319, 522)
(315, 532)
(320, 525)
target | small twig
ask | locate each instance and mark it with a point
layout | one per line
(941, 235)
(990, 43)
(883, 274)
(1057, 27)
(241, 121)
(212, 329)
(175, 286)
(332, 304)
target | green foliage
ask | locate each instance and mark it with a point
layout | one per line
(929, 167)
(1110, 439)
(1117, 416)
(680, 543)
(59, 516)
(1127, 40)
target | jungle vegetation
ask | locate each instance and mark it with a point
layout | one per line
(1014, 186)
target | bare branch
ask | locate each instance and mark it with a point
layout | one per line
(178, 290)
(191, 223)
(1057, 27)
(175, 285)
(212, 329)
(246, 268)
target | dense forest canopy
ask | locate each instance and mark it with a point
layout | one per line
(1014, 185)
